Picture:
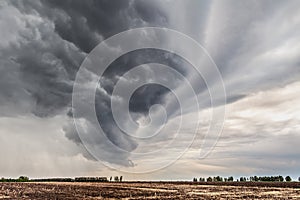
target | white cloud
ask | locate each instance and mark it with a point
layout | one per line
(38, 148)
(260, 136)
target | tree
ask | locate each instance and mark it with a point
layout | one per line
(116, 178)
(201, 179)
(121, 178)
(230, 178)
(194, 179)
(299, 179)
(209, 179)
(281, 178)
(242, 179)
(23, 179)
(218, 179)
(288, 179)
(255, 178)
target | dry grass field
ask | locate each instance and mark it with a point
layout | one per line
(149, 190)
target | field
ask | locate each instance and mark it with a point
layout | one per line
(149, 190)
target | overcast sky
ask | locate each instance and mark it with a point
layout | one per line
(254, 44)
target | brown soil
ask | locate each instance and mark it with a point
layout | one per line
(149, 190)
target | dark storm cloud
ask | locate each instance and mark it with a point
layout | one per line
(50, 46)
(254, 44)
(149, 94)
(89, 19)
(47, 73)
(140, 102)
(149, 12)
(86, 23)
(40, 65)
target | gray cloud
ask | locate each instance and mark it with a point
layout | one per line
(254, 44)
(57, 35)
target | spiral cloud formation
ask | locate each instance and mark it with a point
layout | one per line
(45, 48)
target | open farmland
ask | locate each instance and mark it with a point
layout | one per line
(149, 190)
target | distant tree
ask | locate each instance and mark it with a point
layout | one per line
(121, 178)
(218, 179)
(242, 179)
(288, 179)
(116, 178)
(201, 179)
(299, 179)
(110, 179)
(281, 178)
(230, 178)
(255, 178)
(194, 179)
(23, 179)
(209, 179)
(264, 178)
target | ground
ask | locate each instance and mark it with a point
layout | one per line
(149, 190)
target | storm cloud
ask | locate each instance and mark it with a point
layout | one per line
(255, 45)
(50, 43)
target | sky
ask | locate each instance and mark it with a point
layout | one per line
(46, 45)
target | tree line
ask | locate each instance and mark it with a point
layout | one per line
(20, 179)
(77, 179)
(244, 179)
